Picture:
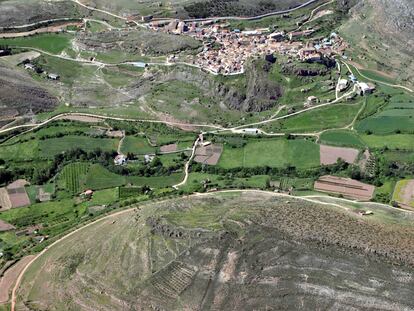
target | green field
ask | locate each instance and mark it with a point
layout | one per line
(343, 138)
(99, 177)
(333, 116)
(156, 181)
(19, 151)
(272, 153)
(73, 177)
(53, 146)
(397, 116)
(52, 43)
(196, 180)
(401, 141)
(104, 197)
(137, 145)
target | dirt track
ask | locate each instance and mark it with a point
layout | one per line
(10, 277)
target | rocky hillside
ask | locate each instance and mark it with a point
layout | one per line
(202, 9)
(136, 42)
(383, 32)
(16, 12)
(226, 252)
(252, 92)
(20, 94)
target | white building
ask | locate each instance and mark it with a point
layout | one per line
(120, 159)
(365, 88)
(342, 84)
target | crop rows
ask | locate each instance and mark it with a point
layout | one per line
(72, 175)
(174, 281)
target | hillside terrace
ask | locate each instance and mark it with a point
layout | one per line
(226, 52)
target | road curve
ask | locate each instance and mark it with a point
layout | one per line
(187, 165)
(377, 81)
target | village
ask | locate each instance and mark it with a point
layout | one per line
(225, 51)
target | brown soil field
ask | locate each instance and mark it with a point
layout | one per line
(209, 154)
(169, 148)
(345, 186)
(4, 226)
(18, 197)
(10, 276)
(329, 154)
(5, 203)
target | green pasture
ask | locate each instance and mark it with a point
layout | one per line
(272, 153)
(99, 177)
(342, 138)
(137, 145)
(51, 42)
(53, 146)
(333, 116)
(398, 141)
(156, 181)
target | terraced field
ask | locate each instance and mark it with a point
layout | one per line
(183, 254)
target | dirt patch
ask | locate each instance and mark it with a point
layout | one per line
(321, 14)
(10, 276)
(330, 155)
(16, 59)
(5, 203)
(115, 134)
(347, 187)
(208, 154)
(18, 184)
(78, 118)
(169, 148)
(4, 226)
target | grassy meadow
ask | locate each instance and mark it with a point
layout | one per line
(273, 153)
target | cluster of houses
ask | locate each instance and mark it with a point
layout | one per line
(226, 50)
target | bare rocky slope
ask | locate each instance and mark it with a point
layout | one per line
(20, 94)
(230, 252)
(383, 32)
(16, 12)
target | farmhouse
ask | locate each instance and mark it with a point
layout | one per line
(120, 159)
(365, 88)
(342, 84)
(346, 187)
(53, 76)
